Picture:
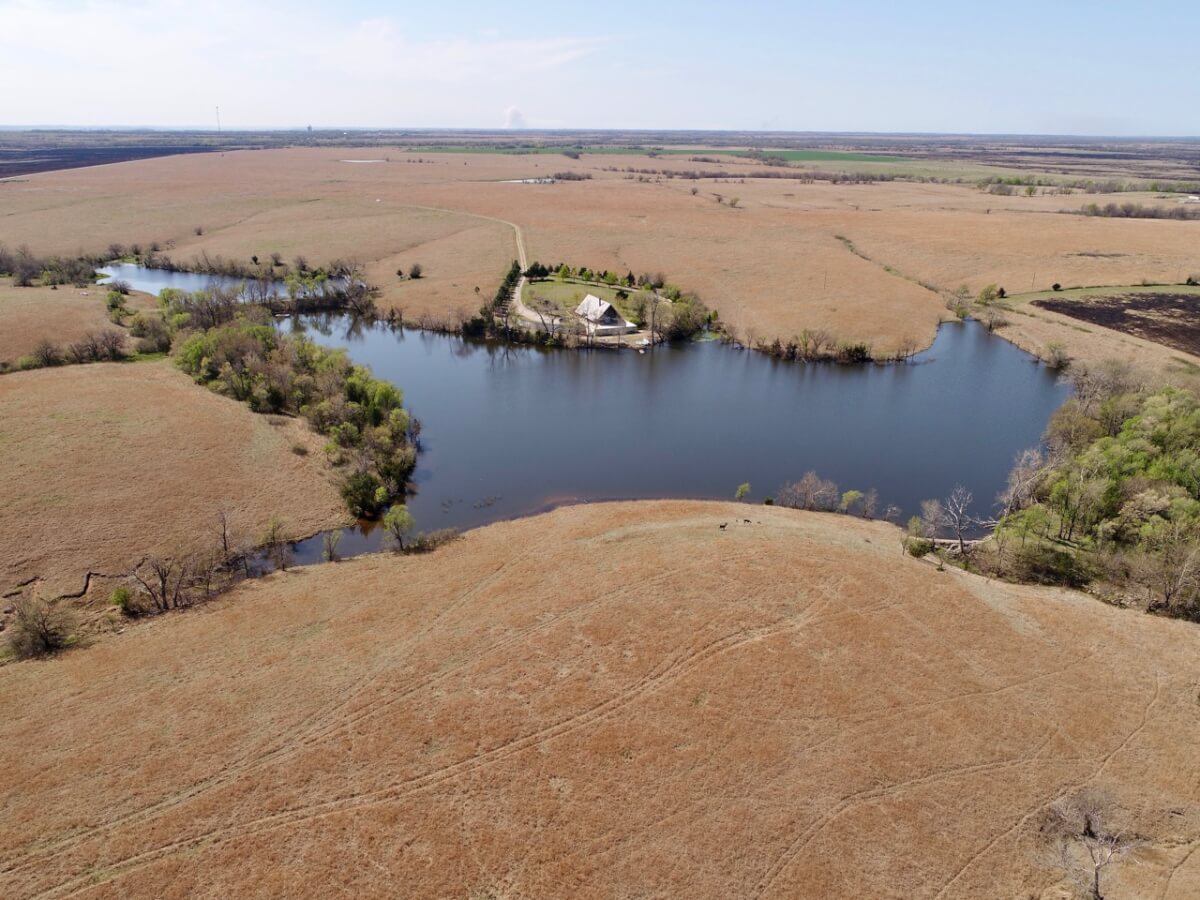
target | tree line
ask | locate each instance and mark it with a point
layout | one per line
(1114, 500)
(1111, 501)
(1140, 211)
(28, 269)
(239, 353)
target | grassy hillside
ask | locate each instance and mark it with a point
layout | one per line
(610, 700)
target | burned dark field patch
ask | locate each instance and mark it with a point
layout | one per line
(1169, 319)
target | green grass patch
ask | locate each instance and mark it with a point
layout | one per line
(566, 295)
(825, 156)
(1120, 290)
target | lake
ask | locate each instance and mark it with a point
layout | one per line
(512, 431)
(509, 431)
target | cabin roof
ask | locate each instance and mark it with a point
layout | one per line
(593, 308)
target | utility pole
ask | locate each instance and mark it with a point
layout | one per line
(218, 121)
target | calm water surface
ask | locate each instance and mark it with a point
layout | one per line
(511, 431)
(154, 280)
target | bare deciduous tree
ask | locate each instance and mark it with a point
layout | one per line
(206, 567)
(276, 545)
(329, 545)
(165, 581)
(1172, 569)
(1023, 480)
(930, 519)
(652, 303)
(224, 537)
(1096, 382)
(546, 310)
(993, 318)
(358, 295)
(956, 515)
(1079, 833)
(870, 503)
(810, 492)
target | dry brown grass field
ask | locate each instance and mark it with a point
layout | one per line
(788, 707)
(772, 266)
(29, 315)
(104, 464)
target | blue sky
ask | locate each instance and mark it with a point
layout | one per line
(1050, 67)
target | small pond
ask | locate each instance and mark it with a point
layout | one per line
(151, 281)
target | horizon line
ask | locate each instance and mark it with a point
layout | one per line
(500, 130)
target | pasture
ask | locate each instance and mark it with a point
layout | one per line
(108, 463)
(609, 700)
(29, 315)
(772, 265)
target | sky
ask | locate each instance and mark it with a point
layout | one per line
(1050, 67)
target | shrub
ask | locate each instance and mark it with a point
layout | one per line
(361, 491)
(129, 602)
(152, 332)
(47, 354)
(919, 547)
(988, 295)
(1056, 355)
(94, 347)
(415, 272)
(299, 449)
(853, 352)
(40, 628)
(425, 542)
(1047, 564)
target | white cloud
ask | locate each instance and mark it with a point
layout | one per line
(169, 62)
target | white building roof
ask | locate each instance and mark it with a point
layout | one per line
(593, 308)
